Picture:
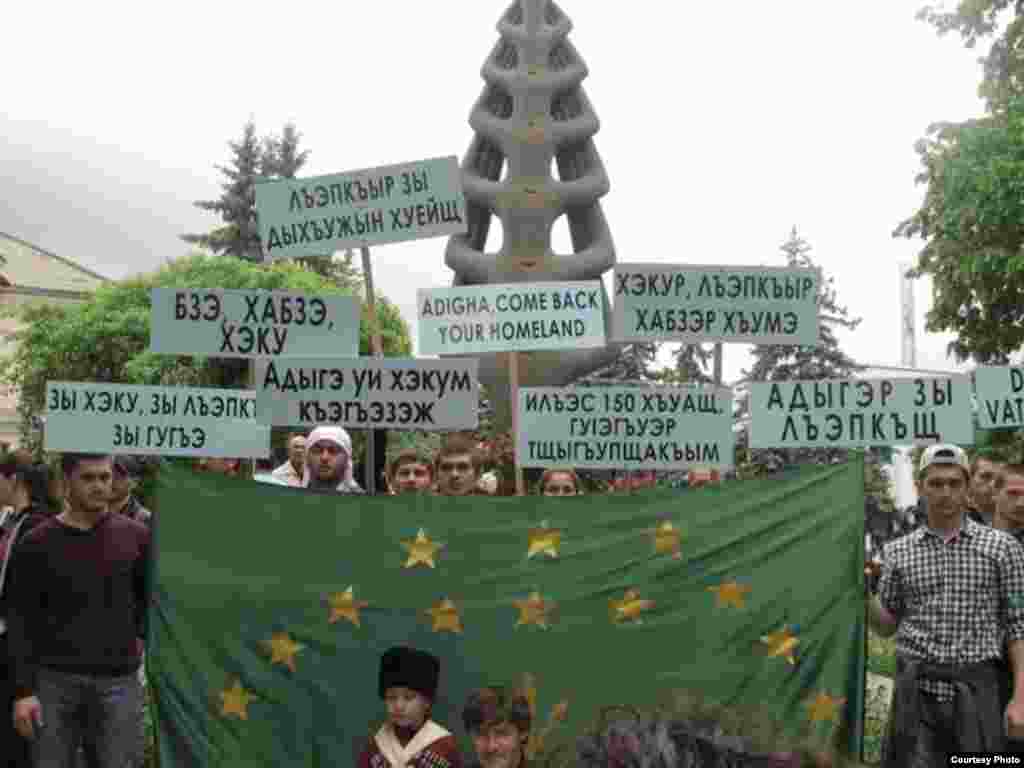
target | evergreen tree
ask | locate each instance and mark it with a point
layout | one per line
(632, 366)
(236, 206)
(691, 365)
(780, 362)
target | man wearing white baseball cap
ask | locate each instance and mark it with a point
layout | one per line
(947, 593)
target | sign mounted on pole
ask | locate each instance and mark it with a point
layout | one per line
(861, 413)
(171, 421)
(517, 317)
(368, 392)
(1000, 393)
(625, 427)
(755, 305)
(390, 204)
(250, 324)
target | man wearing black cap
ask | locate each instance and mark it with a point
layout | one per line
(410, 739)
(127, 473)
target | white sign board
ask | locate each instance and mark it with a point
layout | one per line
(171, 421)
(625, 427)
(391, 204)
(861, 413)
(517, 317)
(365, 392)
(756, 305)
(1000, 393)
(251, 324)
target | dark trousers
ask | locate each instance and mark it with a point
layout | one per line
(14, 750)
(934, 736)
(102, 714)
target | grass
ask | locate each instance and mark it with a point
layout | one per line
(881, 661)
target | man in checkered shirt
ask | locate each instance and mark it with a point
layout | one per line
(946, 593)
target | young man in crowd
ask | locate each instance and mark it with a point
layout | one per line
(982, 500)
(947, 593)
(410, 472)
(458, 468)
(499, 725)
(127, 475)
(328, 465)
(78, 592)
(24, 491)
(559, 482)
(291, 472)
(1009, 517)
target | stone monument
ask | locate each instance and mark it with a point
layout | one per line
(533, 110)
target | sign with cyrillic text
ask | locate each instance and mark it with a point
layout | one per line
(518, 317)
(756, 305)
(391, 204)
(861, 413)
(1000, 393)
(250, 324)
(170, 421)
(625, 428)
(368, 393)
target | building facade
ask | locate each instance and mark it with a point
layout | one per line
(31, 275)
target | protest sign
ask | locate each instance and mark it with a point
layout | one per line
(368, 392)
(391, 204)
(172, 421)
(1000, 393)
(518, 317)
(861, 413)
(757, 305)
(625, 427)
(249, 324)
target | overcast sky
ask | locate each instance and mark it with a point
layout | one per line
(720, 129)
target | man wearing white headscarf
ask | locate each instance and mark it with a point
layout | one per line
(329, 461)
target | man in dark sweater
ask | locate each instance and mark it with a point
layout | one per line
(78, 593)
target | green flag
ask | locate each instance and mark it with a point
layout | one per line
(273, 607)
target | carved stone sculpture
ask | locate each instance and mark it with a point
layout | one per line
(533, 110)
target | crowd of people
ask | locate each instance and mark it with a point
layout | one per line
(951, 592)
(322, 460)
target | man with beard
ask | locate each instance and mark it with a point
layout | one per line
(86, 573)
(458, 468)
(947, 593)
(499, 724)
(328, 465)
(984, 478)
(410, 473)
(291, 472)
(127, 474)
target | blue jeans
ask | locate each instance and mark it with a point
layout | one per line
(102, 714)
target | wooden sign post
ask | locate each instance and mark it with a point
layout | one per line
(513, 378)
(377, 349)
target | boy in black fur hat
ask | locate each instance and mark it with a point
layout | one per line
(409, 738)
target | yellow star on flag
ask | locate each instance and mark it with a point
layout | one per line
(345, 606)
(782, 643)
(823, 707)
(544, 540)
(629, 607)
(668, 540)
(730, 593)
(421, 550)
(235, 701)
(533, 610)
(446, 617)
(283, 650)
